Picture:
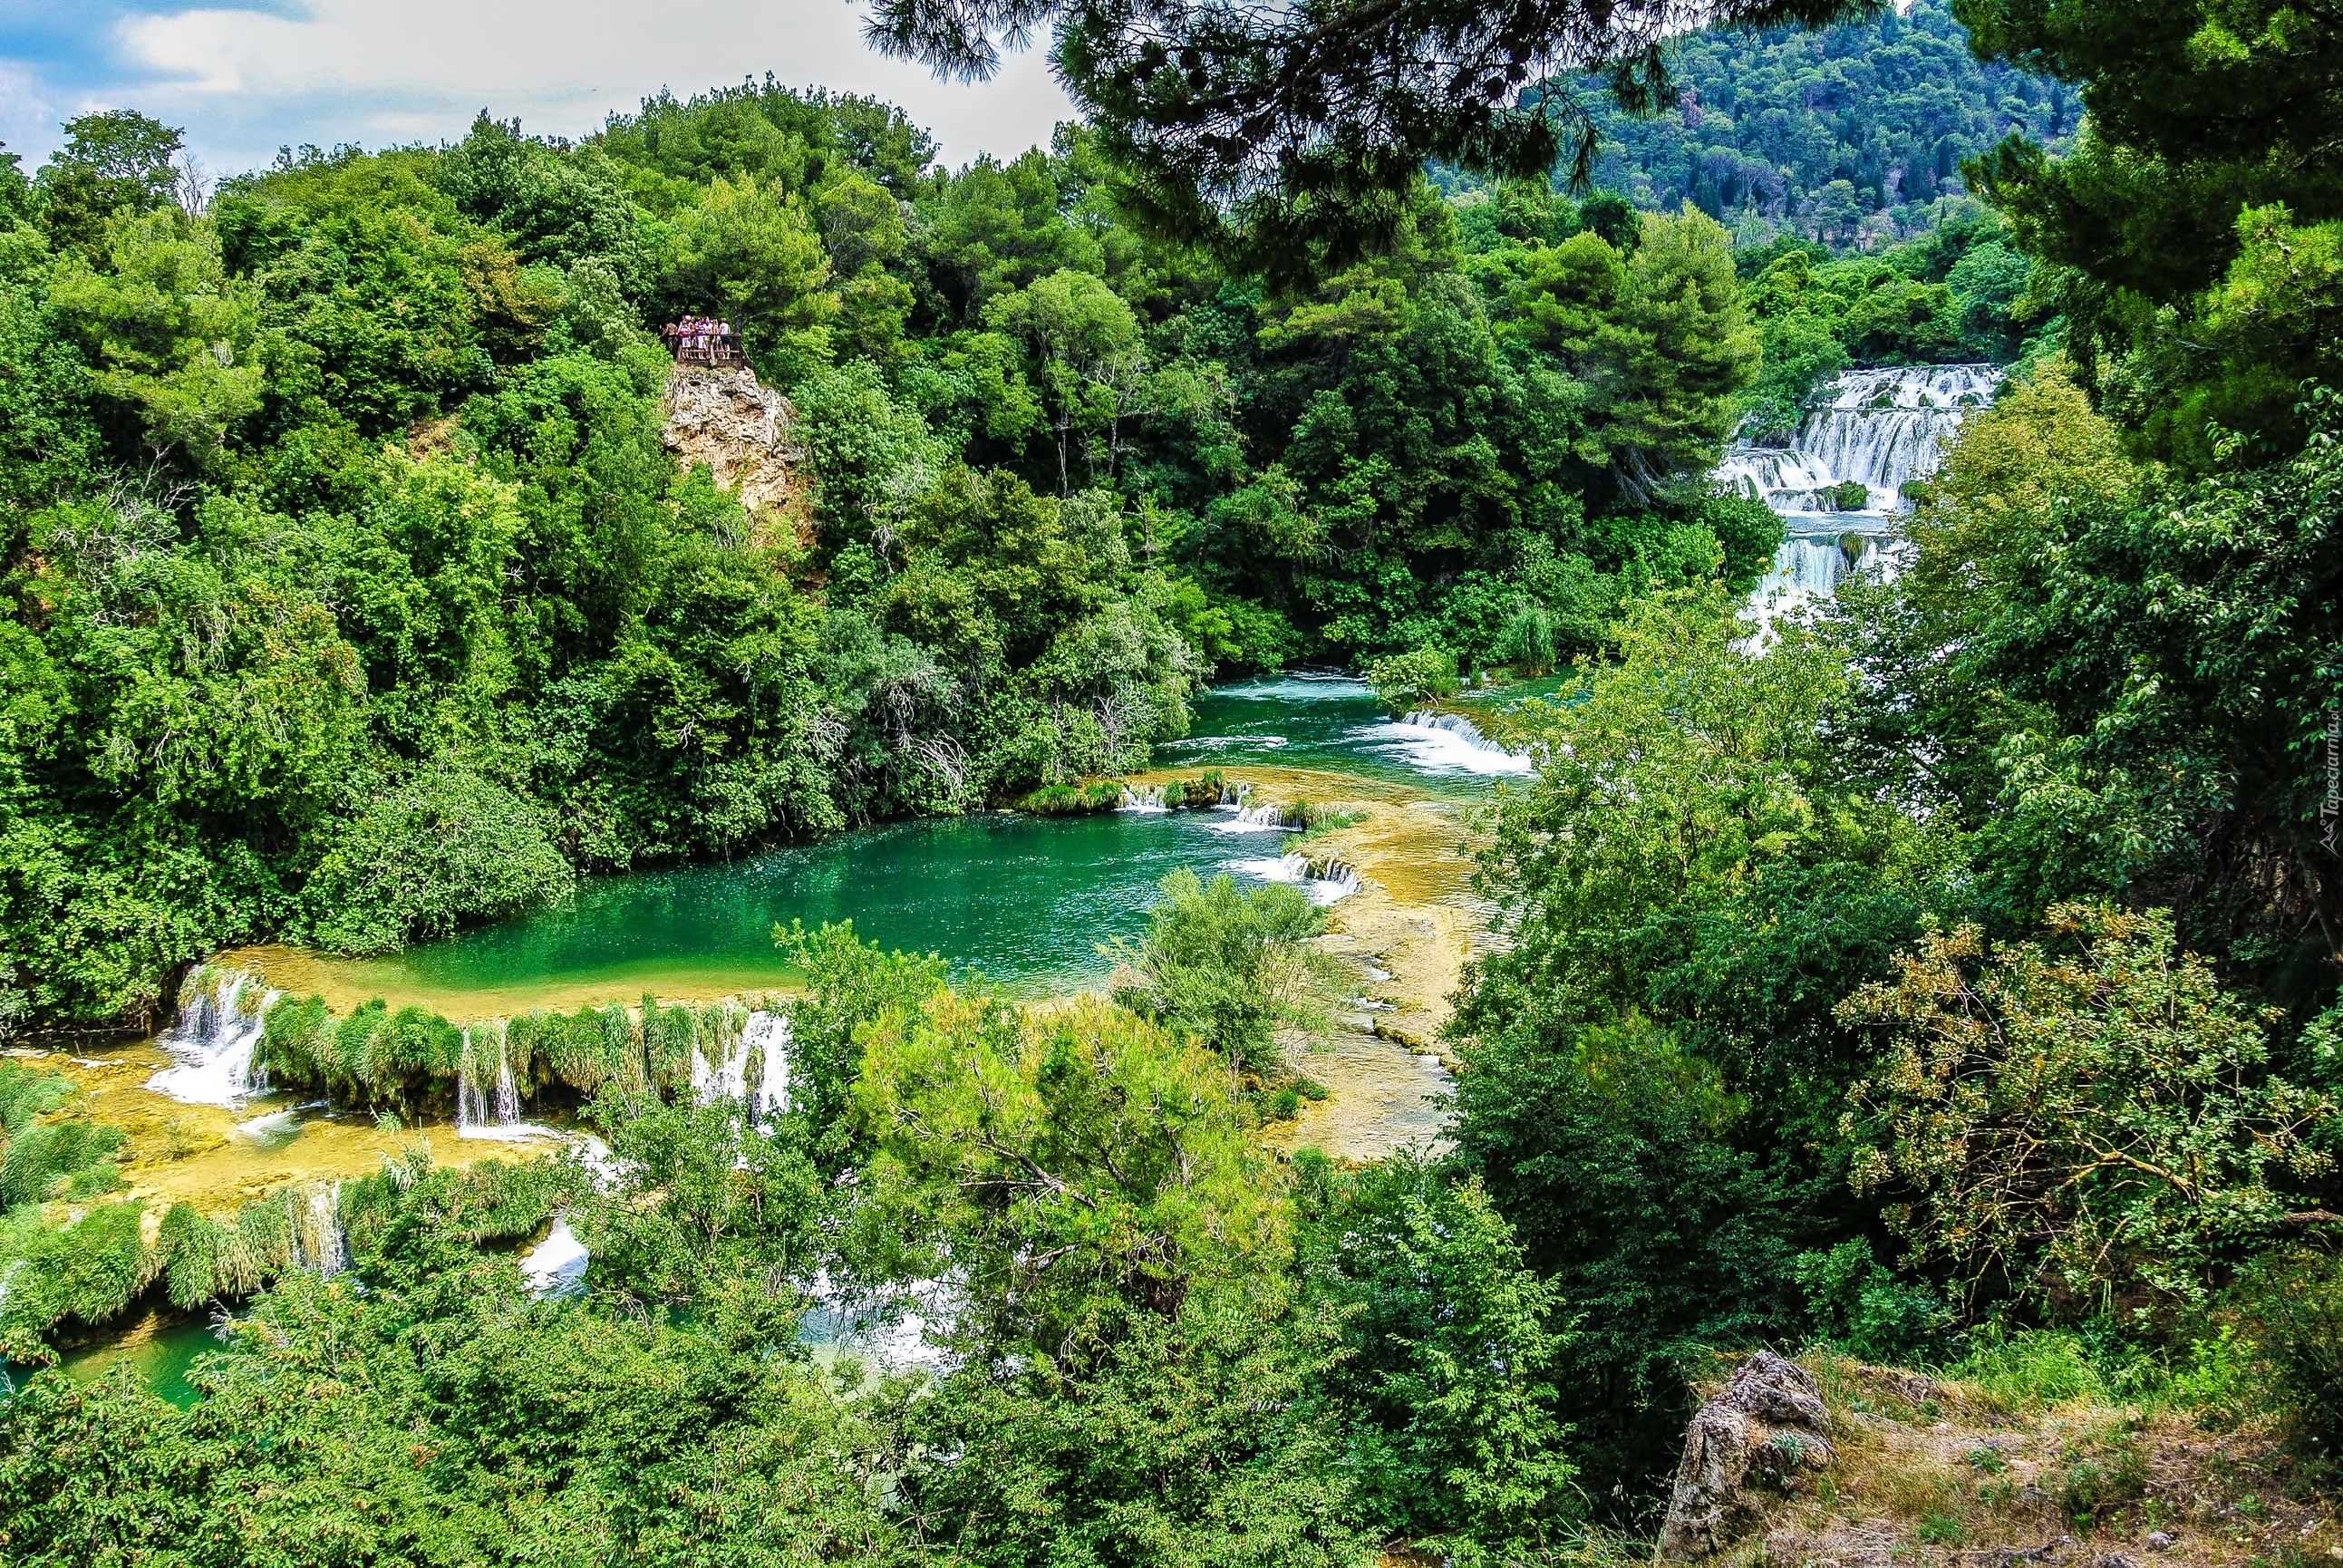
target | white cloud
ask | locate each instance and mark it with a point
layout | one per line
(378, 71)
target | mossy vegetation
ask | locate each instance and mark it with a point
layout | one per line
(411, 1062)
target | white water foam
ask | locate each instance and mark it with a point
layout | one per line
(766, 1036)
(317, 1240)
(768, 1033)
(492, 1112)
(1324, 884)
(221, 1015)
(1239, 815)
(556, 1266)
(1442, 743)
(1880, 429)
(1296, 685)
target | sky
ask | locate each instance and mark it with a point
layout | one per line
(244, 77)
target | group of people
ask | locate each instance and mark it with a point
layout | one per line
(703, 340)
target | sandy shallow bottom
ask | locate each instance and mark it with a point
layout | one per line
(1407, 934)
(217, 1159)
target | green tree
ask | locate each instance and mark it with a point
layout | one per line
(1451, 1341)
(1291, 141)
(750, 252)
(1230, 967)
(113, 161)
(448, 849)
(170, 333)
(1082, 342)
(2082, 1119)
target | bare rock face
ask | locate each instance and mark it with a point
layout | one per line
(745, 432)
(1752, 1441)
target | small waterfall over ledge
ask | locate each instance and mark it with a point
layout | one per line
(1438, 742)
(222, 1012)
(764, 1036)
(1323, 881)
(487, 1104)
(1877, 428)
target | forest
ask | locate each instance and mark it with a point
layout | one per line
(1947, 982)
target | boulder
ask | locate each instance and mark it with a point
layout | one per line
(1752, 1443)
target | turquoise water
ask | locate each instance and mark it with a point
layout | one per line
(1027, 901)
(1328, 721)
(161, 1360)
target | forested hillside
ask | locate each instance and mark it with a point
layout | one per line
(352, 593)
(1850, 136)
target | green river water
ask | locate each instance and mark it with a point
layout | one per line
(1027, 901)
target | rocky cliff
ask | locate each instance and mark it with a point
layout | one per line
(747, 434)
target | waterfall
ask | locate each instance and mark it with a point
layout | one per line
(221, 1016)
(1435, 742)
(1146, 798)
(768, 1033)
(317, 1240)
(490, 1107)
(1879, 428)
(557, 1265)
(1244, 816)
(1456, 724)
(1324, 881)
(508, 1091)
(764, 1036)
(725, 1078)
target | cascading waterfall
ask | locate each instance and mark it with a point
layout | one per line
(1324, 882)
(1244, 816)
(724, 1079)
(508, 1091)
(764, 1036)
(1439, 742)
(317, 1241)
(768, 1034)
(1148, 797)
(1456, 724)
(1878, 428)
(471, 1106)
(488, 1106)
(222, 1013)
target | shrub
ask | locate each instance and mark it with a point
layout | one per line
(1230, 967)
(1849, 495)
(88, 1271)
(448, 849)
(1861, 1308)
(1419, 679)
(1526, 644)
(2292, 1304)
(1073, 799)
(2092, 1117)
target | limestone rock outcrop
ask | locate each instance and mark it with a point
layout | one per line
(1750, 1444)
(744, 431)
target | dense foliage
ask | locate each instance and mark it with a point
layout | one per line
(1948, 974)
(1847, 136)
(1288, 140)
(352, 593)
(1155, 1347)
